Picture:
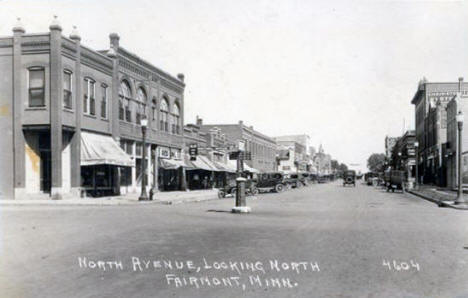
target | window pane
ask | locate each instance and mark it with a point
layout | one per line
(67, 99)
(67, 81)
(92, 108)
(91, 88)
(36, 78)
(85, 87)
(104, 102)
(36, 97)
(85, 104)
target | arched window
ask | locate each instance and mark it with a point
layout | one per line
(141, 104)
(163, 115)
(124, 101)
(176, 119)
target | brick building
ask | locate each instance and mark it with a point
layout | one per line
(403, 155)
(262, 147)
(430, 101)
(457, 104)
(293, 155)
(71, 113)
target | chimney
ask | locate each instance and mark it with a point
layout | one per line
(199, 121)
(460, 84)
(241, 122)
(181, 77)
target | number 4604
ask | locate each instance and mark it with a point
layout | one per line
(399, 266)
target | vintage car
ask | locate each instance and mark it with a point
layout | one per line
(322, 179)
(271, 182)
(349, 177)
(297, 180)
(231, 188)
(397, 180)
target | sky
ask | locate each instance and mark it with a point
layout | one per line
(343, 72)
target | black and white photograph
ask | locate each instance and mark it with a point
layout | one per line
(221, 148)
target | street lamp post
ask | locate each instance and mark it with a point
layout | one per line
(416, 148)
(143, 195)
(460, 119)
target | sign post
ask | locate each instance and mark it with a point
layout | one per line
(241, 204)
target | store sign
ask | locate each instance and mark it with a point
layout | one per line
(241, 146)
(193, 150)
(175, 153)
(164, 152)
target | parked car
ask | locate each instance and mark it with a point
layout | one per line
(297, 180)
(274, 181)
(397, 180)
(349, 178)
(322, 179)
(231, 188)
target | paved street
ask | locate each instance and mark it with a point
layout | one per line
(320, 241)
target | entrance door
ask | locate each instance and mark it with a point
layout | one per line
(46, 171)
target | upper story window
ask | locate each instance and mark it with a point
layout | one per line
(67, 89)
(104, 101)
(141, 104)
(163, 117)
(89, 97)
(176, 119)
(36, 87)
(124, 101)
(153, 109)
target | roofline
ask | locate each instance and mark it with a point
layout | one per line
(150, 65)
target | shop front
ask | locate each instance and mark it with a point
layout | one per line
(103, 165)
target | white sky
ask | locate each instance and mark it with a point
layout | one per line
(343, 72)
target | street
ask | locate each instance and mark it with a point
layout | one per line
(325, 240)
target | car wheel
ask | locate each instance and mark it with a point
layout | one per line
(279, 188)
(221, 194)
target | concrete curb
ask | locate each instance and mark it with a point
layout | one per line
(439, 202)
(105, 202)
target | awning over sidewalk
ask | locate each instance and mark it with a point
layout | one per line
(203, 163)
(233, 164)
(102, 150)
(172, 164)
(225, 167)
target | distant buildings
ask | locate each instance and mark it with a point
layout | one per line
(389, 144)
(293, 153)
(263, 148)
(403, 155)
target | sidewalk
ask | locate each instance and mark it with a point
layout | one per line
(166, 198)
(442, 197)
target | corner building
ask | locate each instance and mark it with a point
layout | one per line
(71, 116)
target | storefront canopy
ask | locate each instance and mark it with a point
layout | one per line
(173, 164)
(233, 163)
(102, 150)
(223, 167)
(203, 163)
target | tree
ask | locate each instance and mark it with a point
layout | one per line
(334, 164)
(342, 167)
(376, 162)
